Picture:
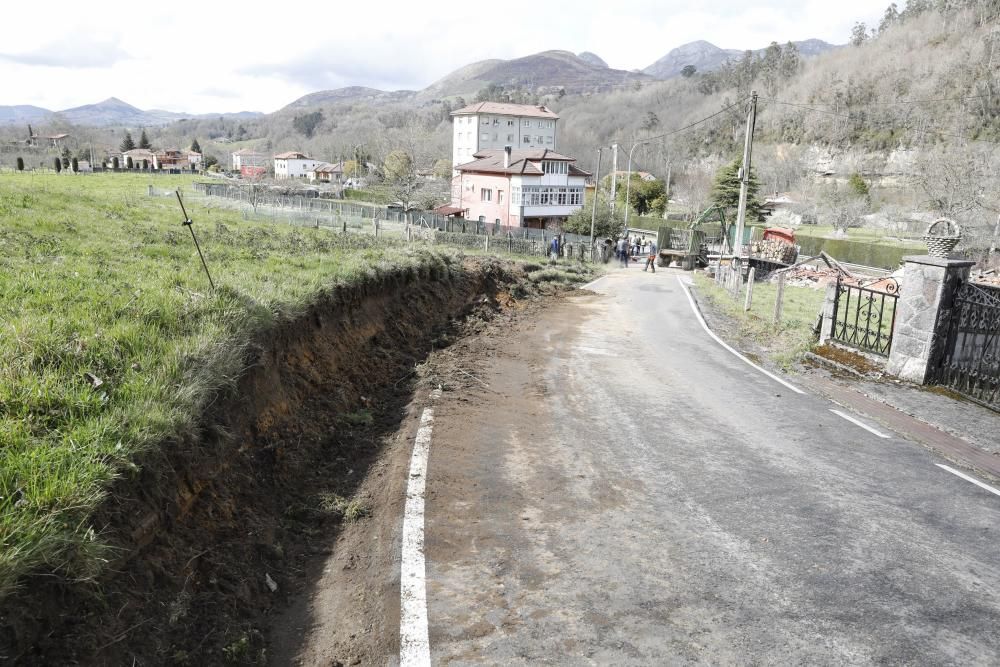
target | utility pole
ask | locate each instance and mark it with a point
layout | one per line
(741, 212)
(614, 175)
(593, 211)
(628, 178)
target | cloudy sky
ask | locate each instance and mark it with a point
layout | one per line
(202, 57)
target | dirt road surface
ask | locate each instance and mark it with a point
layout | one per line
(618, 488)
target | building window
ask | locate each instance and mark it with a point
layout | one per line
(510, 123)
(510, 138)
(496, 122)
(485, 194)
(527, 139)
(486, 121)
(499, 196)
(527, 123)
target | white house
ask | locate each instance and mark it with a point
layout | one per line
(521, 188)
(294, 165)
(494, 125)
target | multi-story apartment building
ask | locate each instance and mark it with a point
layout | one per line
(493, 125)
(520, 188)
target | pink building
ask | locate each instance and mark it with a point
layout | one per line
(520, 188)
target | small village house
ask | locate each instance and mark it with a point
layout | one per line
(249, 163)
(293, 164)
(326, 172)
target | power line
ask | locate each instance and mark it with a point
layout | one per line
(688, 127)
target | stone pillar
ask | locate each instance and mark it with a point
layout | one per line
(829, 315)
(926, 296)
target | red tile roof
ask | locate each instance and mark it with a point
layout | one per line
(521, 162)
(502, 109)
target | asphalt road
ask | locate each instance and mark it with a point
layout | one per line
(626, 491)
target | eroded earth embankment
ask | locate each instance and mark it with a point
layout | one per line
(211, 533)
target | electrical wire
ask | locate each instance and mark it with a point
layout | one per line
(688, 127)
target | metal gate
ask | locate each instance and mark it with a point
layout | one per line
(970, 359)
(865, 315)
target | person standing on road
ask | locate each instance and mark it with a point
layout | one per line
(623, 251)
(651, 258)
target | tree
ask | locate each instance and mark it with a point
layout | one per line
(842, 208)
(144, 141)
(209, 161)
(397, 166)
(20, 164)
(195, 146)
(688, 71)
(651, 122)
(726, 191)
(442, 168)
(647, 196)
(128, 143)
(889, 18)
(859, 33)
(306, 124)
(858, 186)
(607, 225)
(76, 166)
(58, 165)
(350, 169)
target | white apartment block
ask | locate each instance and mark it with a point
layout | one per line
(494, 125)
(294, 165)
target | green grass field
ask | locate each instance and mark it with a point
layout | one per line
(785, 342)
(112, 341)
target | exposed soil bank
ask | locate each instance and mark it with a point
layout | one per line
(206, 530)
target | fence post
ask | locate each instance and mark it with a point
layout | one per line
(487, 243)
(779, 298)
(748, 302)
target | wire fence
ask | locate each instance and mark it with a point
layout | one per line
(263, 204)
(341, 217)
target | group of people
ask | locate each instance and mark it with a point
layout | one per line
(627, 249)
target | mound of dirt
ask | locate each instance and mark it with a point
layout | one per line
(212, 534)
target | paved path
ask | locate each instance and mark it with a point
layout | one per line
(626, 491)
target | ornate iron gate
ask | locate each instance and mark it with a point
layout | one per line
(970, 359)
(865, 314)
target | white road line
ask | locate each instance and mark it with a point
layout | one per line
(414, 645)
(723, 343)
(859, 423)
(969, 479)
(594, 282)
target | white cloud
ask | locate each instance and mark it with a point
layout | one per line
(212, 57)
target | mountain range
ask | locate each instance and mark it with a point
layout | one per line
(111, 111)
(545, 72)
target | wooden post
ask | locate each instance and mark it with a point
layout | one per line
(779, 298)
(749, 299)
(487, 243)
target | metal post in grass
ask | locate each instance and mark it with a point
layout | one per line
(779, 298)
(190, 225)
(749, 298)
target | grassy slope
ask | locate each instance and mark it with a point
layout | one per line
(96, 278)
(786, 342)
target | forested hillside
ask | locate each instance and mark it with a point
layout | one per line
(909, 105)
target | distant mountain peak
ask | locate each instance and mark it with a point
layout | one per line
(705, 56)
(591, 58)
